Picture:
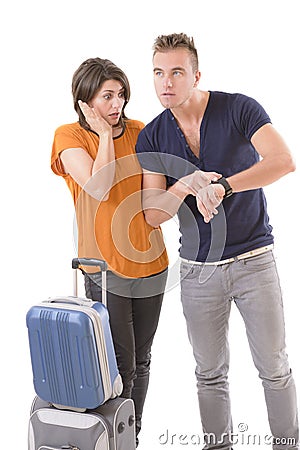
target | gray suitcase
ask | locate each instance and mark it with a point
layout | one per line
(108, 427)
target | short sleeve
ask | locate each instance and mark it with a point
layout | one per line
(249, 115)
(149, 159)
(64, 137)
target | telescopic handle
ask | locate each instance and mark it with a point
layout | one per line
(76, 262)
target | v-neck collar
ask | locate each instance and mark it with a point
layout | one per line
(182, 135)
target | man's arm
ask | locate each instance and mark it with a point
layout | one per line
(276, 161)
(160, 203)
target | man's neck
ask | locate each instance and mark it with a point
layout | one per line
(192, 111)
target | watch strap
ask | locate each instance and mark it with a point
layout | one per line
(226, 185)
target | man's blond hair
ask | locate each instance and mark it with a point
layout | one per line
(164, 43)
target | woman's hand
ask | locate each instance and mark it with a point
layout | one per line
(96, 122)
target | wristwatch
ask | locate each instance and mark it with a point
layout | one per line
(226, 185)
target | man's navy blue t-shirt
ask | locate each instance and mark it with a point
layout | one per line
(229, 122)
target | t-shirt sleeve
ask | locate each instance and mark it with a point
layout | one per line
(148, 158)
(64, 138)
(249, 115)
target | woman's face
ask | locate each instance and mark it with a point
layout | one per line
(109, 101)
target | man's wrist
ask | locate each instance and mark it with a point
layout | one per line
(228, 189)
(182, 188)
(179, 189)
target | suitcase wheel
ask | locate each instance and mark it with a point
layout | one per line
(131, 420)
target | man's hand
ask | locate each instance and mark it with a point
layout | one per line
(208, 199)
(197, 180)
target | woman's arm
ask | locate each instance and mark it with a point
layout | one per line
(94, 176)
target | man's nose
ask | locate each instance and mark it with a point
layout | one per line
(168, 82)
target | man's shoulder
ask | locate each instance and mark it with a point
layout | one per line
(153, 136)
(236, 104)
(231, 97)
(156, 124)
(163, 116)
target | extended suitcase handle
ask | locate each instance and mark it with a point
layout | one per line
(76, 262)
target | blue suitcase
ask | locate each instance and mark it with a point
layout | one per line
(72, 353)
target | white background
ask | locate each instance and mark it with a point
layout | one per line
(244, 46)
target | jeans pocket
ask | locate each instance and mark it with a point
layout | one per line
(259, 263)
(187, 271)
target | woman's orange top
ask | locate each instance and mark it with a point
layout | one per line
(115, 229)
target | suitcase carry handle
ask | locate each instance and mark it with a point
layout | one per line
(70, 300)
(64, 447)
(93, 262)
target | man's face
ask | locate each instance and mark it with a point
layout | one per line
(174, 77)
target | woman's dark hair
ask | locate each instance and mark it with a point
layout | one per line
(89, 78)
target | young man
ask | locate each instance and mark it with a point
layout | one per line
(206, 158)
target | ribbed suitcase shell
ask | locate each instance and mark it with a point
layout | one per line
(72, 353)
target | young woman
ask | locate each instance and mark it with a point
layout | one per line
(96, 157)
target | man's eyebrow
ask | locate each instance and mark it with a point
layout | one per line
(173, 68)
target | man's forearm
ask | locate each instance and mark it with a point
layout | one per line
(161, 205)
(265, 172)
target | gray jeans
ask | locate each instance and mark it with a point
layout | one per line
(207, 293)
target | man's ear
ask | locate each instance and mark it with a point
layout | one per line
(197, 78)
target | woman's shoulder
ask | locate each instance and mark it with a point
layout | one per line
(69, 127)
(133, 124)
